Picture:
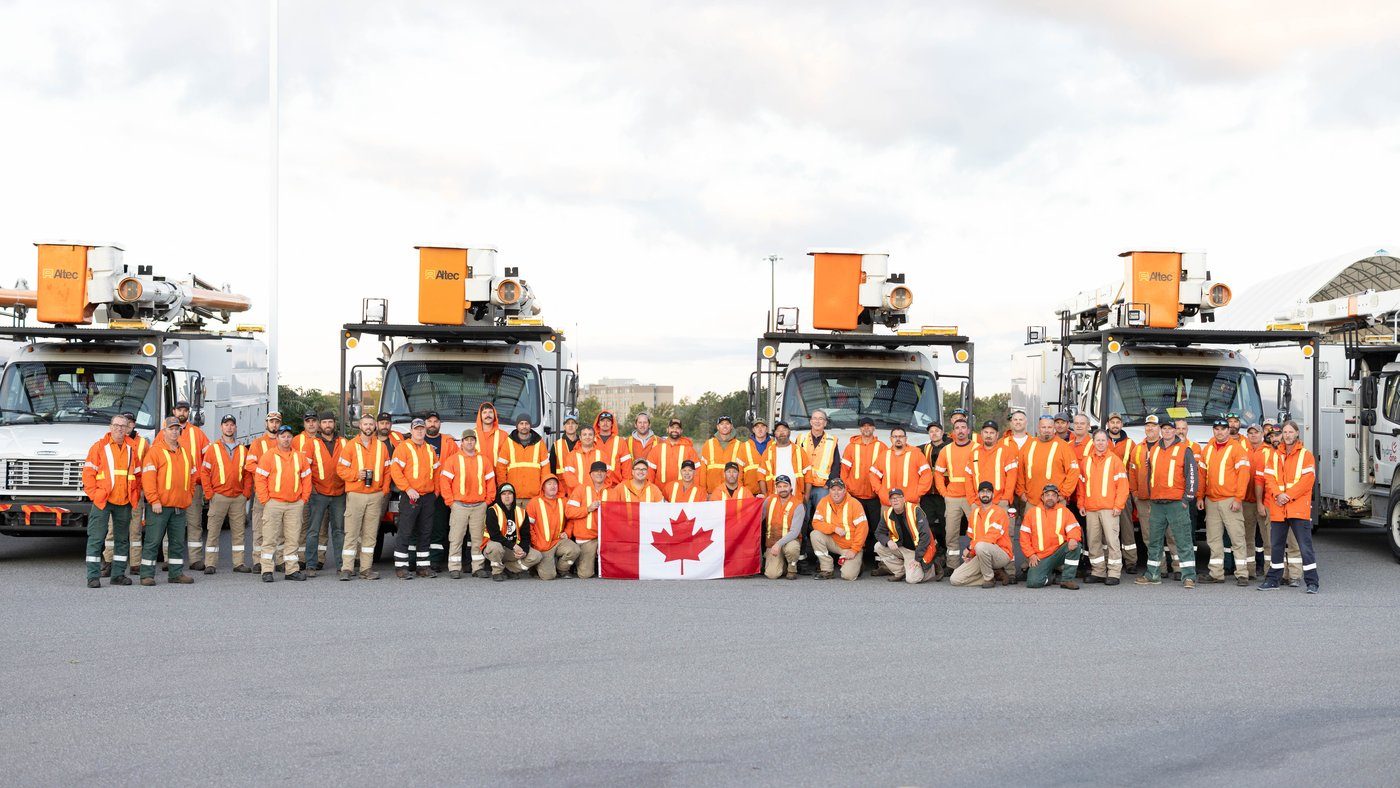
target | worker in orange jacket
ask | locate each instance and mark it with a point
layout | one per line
(562, 447)
(614, 446)
(414, 470)
(193, 441)
(1120, 444)
(1017, 435)
(257, 447)
(384, 428)
(554, 553)
(1261, 458)
(583, 518)
(863, 452)
(1051, 540)
(491, 438)
(783, 457)
(283, 484)
(1227, 481)
(839, 526)
(1138, 459)
(950, 479)
(585, 452)
(639, 443)
(685, 489)
(636, 489)
(1103, 494)
(823, 459)
(139, 445)
(227, 487)
(994, 462)
(327, 505)
(1289, 483)
(666, 455)
(445, 447)
(717, 452)
(364, 468)
(732, 488)
(167, 479)
(1236, 435)
(753, 455)
(111, 480)
(989, 553)
(467, 485)
(524, 463)
(1173, 476)
(904, 468)
(1045, 459)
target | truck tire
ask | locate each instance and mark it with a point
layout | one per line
(1392, 523)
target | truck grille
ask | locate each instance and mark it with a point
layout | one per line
(44, 475)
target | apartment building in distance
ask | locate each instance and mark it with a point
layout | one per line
(620, 394)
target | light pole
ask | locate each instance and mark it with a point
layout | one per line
(773, 291)
(273, 129)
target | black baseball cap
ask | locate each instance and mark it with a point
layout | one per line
(383, 417)
(182, 403)
(990, 423)
(782, 479)
(598, 466)
(866, 421)
(687, 463)
(432, 414)
(1220, 423)
(834, 483)
(723, 418)
(326, 414)
(732, 464)
(308, 416)
(986, 486)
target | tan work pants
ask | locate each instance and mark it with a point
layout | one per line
(281, 522)
(1220, 520)
(981, 567)
(774, 566)
(587, 565)
(362, 514)
(502, 559)
(557, 559)
(826, 548)
(956, 512)
(468, 520)
(1105, 553)
(901, 561)
(230, 509)
(194, 528)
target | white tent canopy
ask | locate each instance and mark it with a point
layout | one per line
(1268, 301)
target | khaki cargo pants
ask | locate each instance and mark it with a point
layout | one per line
(502, 559)
(362, 514)
(774, 566)
(281, 523)
(956, 513)
(557, 559)
(1220, 521)
(1105, 538)
(826, 550)
(230, 508)
(194, 528)
(981, 567)
(587, 565)
(468, 520)
(902, 563)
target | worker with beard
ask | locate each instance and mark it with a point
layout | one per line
(507, 541)
(1120, 444)
(562, 447)
(717, 452)
(732, 488)
(442, 513)
(414, 469)
(261, 445)
(384, 428)
(525, 462)
(193, 441)
(863, 452)
(666, 455)
(933, 502)
(950, 482)
(614, 446)
(641, 440)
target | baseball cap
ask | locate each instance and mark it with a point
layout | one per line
(866, 421)
(731, 464)
(1047, 488)
(959, 411)
(935, 423)
(228, 417)
(834, 483)
(781, 423)
(673, 420)
(1230, 414)
(687, 463)
(182, 403)
(1014, 411)
(757, 420)
(1151, 419)
(782, 479)
(308, 416)
(723, 418)
(432, 414)
(417, 423)
(985, 486)
(640, 461)
(383, 416)
(170, 421)
(607, 414)
(287, 428)
(1062, 416)
(1115, 415)
(326, 414)
(274, 415)
(469, 432)
(1220, 423)
(571, 417)
(897, 491)
(992, 424)
(598, 465)
(1253, 428)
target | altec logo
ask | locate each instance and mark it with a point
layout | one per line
(438, 273)
(59, 273)
(1154, 276)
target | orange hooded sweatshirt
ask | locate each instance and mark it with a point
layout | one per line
(860, 455)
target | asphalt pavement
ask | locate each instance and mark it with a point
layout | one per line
(750, 681)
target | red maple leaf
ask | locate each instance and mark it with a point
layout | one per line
(683, 542)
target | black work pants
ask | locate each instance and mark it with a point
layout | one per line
(415, 524)
(1278, 540)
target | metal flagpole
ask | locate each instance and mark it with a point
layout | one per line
(273, 129)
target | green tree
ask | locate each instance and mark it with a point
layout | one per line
(992, 407)
(295, 403)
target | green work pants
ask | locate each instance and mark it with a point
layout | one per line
(1063, 560)
(169, 520)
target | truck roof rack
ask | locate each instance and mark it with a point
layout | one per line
(111, 334)
(508, 334)
(1180, 337)
(857, 340)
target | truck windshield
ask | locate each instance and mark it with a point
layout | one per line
(456, 390)
(892, 398)
(1203, 393)
(61, 391)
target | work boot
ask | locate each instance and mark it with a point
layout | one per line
(1176, 575)
(1241, 581)
(427, 571)
(312, 573)
(791, 572)
(1188, 583)
(1091, 579)
(106, 569)
(879, 571)
(1312, 588)
(1208, 579)
(402, 574)
(267, 577)
(181, 579)
(94, 583)
(1293, 583)
(368, 574)
(937, 573)
(298, 575)
(1268, 585)
(824, 575)
(134, 571)
(1130, 567)
(1144, 580)
(499, 577)
(1112, 581)
(150, 581)
(989, 583)
(346, 574)
(121, 580)
(456, 574)
(197, 566)
(1070, 584)
(241, 569)
(894, 579)
(999, 576)
(316, 567)
(210, 569)
(483, 572)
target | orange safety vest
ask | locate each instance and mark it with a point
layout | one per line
(772, 516)
(377, 464)
(1168, 472)
(820, 469)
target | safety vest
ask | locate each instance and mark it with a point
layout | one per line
(1222, 465)
(421, 460)
(665, 452)
(235, 460)
(826, 511)
(714, 457)
(1101, 475)
(548, 524)
(168, 475)
(193, 442)
(911, 526)
(378, 459)
(821, 460)
(277, 473)
(695, 494)
(952, 464)
(459, 481)
(116, 477)
(982, 526)
(319, 460)
(775, 516)
(996, 474)
(907, 477)
(1167, 474)
(1040, 530)
(509, 526)
(586, 495)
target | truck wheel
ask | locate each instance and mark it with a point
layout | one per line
(1392, 527)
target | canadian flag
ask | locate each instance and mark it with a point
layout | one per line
(680, 541)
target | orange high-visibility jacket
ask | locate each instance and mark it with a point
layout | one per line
(997, 465)
(1044, 530)
(616, 453)
(754, 463)
(523, 467)
(665, 460)
(414, 467)
(821, 456)
(490, 441)
(193, 441)
(547, 518)
(638, 447)
(907, 470)
(324, 478)
(467, 479)
(714, 456)
(356, 457)
(259, 446)
(801, 467)
(168, 476)
(112, 473)
(222, 472)
(1293, 472)
(1139, 455)
(450, 449)
(1103, 482)
(723, 493)
(1228, 472)
(1261, 457)
(676, 492)
(950, 470)
(283, 476)
(627, 493)
(582, 524)
(845, 523)
(1168, 472)
(576, 465)
(859, 456)
(559, 453)
(1046, 462)
(989, 524)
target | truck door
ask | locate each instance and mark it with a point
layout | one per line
(1385, 434)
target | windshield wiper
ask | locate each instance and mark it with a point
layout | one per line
(24, 412)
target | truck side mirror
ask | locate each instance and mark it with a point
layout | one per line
(1285, 394)
(749, 415)
(1368, 393)
(1368, 417)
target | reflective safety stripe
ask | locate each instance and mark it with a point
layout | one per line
(378, 458)
(784, 520)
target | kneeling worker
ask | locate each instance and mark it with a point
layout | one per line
(550, 549)
(988, 552)
(1050, 540)
(507, 541)
(903, 542)
(838, 526)
(783, 515)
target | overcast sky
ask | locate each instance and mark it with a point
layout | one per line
(638, 161)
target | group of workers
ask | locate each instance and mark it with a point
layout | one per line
(501, 503)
